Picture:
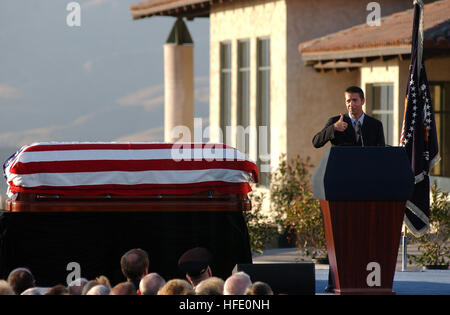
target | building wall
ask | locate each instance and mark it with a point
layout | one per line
(386, 72)
(397, 72)
(251, 20)
(438, 69)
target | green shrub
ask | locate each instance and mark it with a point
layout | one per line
(435, 245)
(297, 212)
(260, 229)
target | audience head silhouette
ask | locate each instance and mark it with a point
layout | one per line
(151, 284)
(237, 284)
(134, 264)
(21, 279)
(195, 263)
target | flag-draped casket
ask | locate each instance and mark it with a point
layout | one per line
(91, 202)
(128, 169)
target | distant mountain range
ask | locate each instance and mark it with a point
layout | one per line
(137, 116)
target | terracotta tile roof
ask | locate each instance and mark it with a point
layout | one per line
(393, 36)
(182, 8)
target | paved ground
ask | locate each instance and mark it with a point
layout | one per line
(413, 281)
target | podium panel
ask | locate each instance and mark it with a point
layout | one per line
(363, 193)
(362, 243)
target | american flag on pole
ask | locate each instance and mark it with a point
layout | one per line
(128, 169)
(419, 131)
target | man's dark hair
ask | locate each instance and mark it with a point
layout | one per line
(355, 89)
(134, 263)
(58, 289)
(21, 279)
(259, 288)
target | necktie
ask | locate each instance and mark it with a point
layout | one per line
(358, 132)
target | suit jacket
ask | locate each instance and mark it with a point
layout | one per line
(371, 131)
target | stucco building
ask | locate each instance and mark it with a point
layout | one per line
(278, 68)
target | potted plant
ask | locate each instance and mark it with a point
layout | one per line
(434, 246)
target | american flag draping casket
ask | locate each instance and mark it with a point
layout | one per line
(128, 169)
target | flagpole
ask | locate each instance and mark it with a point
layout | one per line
(404, 248)
(420, 38)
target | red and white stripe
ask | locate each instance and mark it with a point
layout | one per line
(129, 168)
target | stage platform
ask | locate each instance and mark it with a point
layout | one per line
(414, 281)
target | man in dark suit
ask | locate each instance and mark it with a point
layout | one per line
(352, 129)
(355, 128)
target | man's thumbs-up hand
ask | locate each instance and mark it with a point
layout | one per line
(340, 125)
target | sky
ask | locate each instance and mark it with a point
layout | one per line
(100, 81)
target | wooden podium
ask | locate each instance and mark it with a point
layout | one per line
(362, 193)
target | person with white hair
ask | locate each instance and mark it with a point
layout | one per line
(99, 289)
(237, 284)
(151, 284)
(77, 285)
(210, 286)
(32, 291)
